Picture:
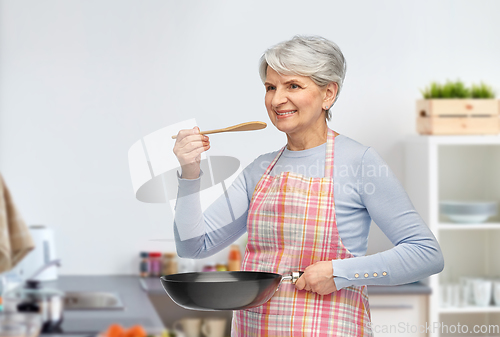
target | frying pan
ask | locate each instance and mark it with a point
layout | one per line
(223, 290)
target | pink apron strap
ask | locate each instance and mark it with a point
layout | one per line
(330, 142)
(270, 167)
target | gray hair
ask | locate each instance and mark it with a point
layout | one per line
(311, 56)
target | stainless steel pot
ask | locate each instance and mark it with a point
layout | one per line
(49, 303)
(231, 290)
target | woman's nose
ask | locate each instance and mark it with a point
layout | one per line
(279, 98)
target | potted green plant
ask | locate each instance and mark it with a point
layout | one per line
(454, 108)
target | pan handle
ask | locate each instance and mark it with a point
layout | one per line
(294, 276)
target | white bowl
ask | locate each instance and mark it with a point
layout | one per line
(468, 211)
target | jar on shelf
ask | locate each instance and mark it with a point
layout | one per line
(234, 260)
(210, 266)
(220, 266)
(169, 265)
(144, 264)
(154, 264)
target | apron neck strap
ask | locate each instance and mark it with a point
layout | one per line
(330, 141)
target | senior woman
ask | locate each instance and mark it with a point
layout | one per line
(307, 206)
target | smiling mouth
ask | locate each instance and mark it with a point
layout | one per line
(286, 113)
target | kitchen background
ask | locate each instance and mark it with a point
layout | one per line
(81, 81)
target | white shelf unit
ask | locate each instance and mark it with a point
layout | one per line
(464, 227)
(457, 168)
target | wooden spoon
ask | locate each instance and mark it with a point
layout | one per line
(248, 126)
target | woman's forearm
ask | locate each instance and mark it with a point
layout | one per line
(201, 234)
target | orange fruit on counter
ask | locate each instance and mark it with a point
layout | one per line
(115, 330)
(136, 331)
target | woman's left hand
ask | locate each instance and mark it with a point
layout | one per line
(318, 278)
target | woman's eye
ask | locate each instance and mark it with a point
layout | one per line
(270, 87)
(294, 86)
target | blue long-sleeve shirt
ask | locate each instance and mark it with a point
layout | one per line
(365, 189)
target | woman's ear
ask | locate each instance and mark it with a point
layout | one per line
(331, 93)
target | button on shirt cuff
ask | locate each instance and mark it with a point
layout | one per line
(357, 272)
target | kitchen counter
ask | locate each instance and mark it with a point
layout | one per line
(137, 306)
(416, 288)
(152, 286)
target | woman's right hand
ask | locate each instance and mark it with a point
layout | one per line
(188, 148)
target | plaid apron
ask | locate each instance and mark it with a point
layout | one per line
(291, 225)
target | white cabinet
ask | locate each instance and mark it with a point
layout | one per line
(399, 315)
(458, 168)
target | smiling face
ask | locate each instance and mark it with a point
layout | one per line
(295, 103)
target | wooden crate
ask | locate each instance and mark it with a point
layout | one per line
(458, 116)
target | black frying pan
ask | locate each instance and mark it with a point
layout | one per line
(223, 290)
